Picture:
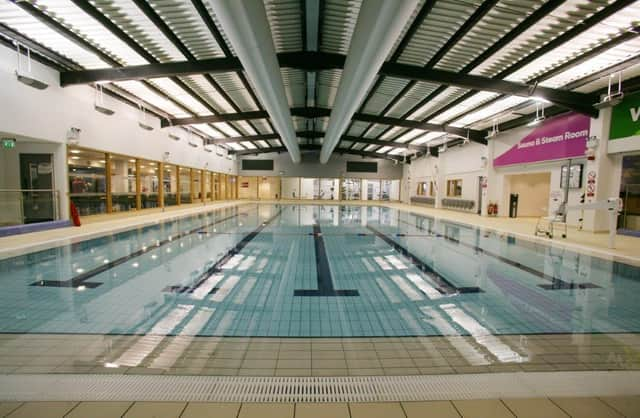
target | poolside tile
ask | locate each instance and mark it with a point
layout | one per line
(376, 410)
(327, 355)
(329, 372)
(294, 355)
(7, 407)
(366, 372)
(294, 364)
(482, 408)
(322, 410)
(99, 410)
(155, 410)
(257, 372)
(259, 363)
(293, 372)
(534, 408)
(627, 405)
(42, 410)
(211, 409)
(432, 409)
(586, 408)
(329, 364)
(266, 410)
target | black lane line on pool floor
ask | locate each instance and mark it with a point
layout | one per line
(217, 267)
(556, 283)
(81, 279)
(324, 277)
(444, 286)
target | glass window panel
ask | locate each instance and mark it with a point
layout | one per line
(207, 185)
(185, 185)
(149, 184)
(351, 189)
(197, 185)
(170, 184)
(123, 183)
(87, 180)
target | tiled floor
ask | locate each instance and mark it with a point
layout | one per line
(494, 408)
(44, 353)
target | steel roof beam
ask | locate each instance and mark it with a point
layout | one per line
(315, 134)
(549, 46)
(580, 102)
(311, 147)
(316, 112)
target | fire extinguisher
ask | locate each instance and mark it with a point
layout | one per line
(75, 216)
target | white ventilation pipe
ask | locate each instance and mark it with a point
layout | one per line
(245, 24)
(379, 25)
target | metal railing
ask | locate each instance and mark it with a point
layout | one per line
(24, 206)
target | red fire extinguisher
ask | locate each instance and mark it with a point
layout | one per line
(75, 216)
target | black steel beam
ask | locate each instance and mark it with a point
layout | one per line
(59, 62)
(316, 112)
(150, 71)
(580, 102)
(251, 138)
(309, 147)
(473, 135)
(92, 11)
(576, 30)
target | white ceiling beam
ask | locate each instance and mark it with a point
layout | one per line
(379, 24)
(246, 25)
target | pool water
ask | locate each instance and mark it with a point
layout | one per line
(315, 271)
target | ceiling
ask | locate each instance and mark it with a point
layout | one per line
(458, 68)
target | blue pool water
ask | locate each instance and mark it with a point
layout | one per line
(314, 270)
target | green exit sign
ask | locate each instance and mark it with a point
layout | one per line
(8, 143)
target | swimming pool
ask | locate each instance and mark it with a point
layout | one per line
(263, 270)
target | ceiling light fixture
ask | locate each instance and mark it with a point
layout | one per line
(143, 122)
(24, 79)
(613, 97)
(539, 115)
(98, 103)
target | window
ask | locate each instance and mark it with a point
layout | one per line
(432, 188)
(87, 181)
(422, 189)
(197, 185)
(454, 188)
(169, 182)
(123, 183)
(149, 184)
(185, 185)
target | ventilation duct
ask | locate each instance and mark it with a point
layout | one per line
(379, 25)
(245, 24)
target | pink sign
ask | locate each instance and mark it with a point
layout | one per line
(556, 139)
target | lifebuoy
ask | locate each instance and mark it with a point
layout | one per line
(75, 216)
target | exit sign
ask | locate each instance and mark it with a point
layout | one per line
(8, 143)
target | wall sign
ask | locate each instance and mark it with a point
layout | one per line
(8, 143)
(558, 138)
(625, 118)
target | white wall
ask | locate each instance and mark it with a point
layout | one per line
(47, 115)
(460, 162)
(311, 167)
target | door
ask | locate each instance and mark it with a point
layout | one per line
(36, 173)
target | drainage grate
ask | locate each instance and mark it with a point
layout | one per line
(314, 389)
